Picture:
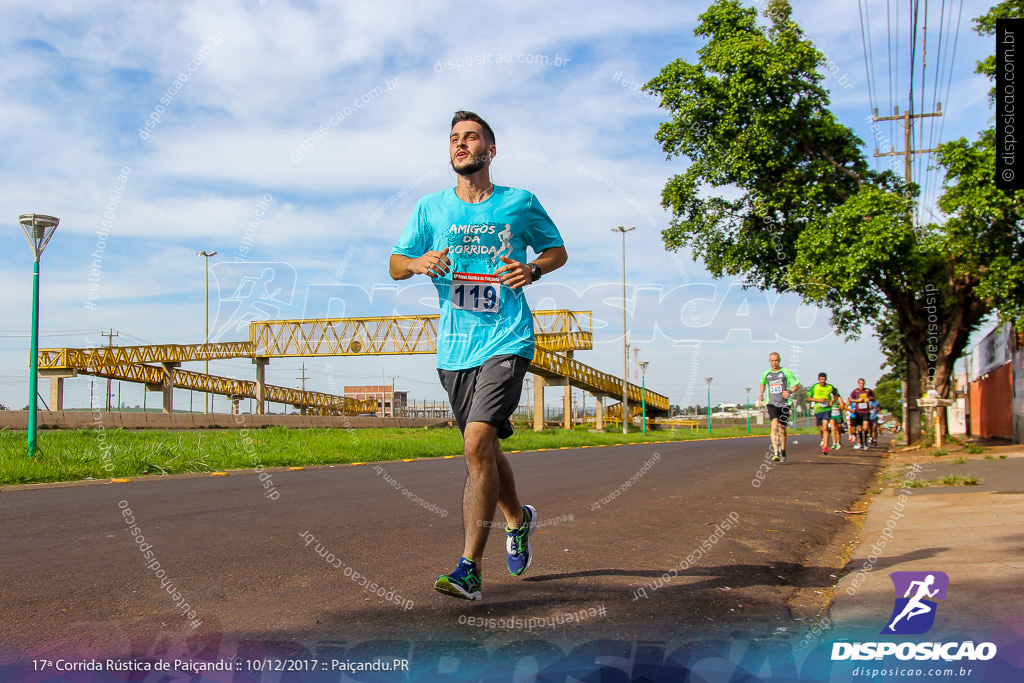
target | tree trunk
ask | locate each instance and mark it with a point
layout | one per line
(926, 371)
(942, 381)
(913, 426)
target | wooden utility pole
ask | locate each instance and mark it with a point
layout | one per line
(110, 344)
(905, 119)
(911, 411)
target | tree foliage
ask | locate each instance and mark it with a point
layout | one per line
(752, 115)
(780, 192)
(887, 391)
(986, 25)
(983, 233)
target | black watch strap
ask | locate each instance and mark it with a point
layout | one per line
(535, 271)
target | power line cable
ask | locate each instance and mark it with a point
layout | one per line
(869, 63)
(914, 7)
(934, 134)
(920, 159)
(952, 66)
(889, 62)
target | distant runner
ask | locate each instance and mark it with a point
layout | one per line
(859, 400)
(824, 395)
(875, 406)
(781, 384)
(837, 421)
(851, 428)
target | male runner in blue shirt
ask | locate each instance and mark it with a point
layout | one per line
(472, 240)
(875, 406)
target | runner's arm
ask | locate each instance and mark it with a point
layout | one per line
(432, 263)
(794, 384)
(515, 274)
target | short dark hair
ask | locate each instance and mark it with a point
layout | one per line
(823, 374)
(470, 116)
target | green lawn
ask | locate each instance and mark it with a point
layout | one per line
(114, 453)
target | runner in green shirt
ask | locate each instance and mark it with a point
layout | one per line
(824, 395)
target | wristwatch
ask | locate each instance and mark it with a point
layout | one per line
(535, 271)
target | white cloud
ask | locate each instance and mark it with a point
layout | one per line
(263, 77)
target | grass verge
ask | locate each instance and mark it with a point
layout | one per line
(114, 453)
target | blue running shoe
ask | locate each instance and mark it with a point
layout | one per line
(463, 583)
(520, 552)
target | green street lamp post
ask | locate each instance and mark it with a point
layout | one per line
(708, 380)
(206, 339)
(748, 410)
(643, 393)
(38, 230)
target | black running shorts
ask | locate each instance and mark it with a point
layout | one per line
(780, 413)
(488, 393)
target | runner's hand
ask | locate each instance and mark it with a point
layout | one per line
(514, 274)
(433, 263)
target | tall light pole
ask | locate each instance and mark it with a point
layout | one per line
(643, 393)
(708, 380)
(625, 349)
(38, 230)
(748, 410)
(206, 369)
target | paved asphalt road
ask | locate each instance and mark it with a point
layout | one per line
(75, 580)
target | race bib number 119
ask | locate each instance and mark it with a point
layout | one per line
(477, 292)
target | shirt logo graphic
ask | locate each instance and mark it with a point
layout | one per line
(506, 243)
(914, 613)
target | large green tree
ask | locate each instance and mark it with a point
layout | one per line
(779, 192)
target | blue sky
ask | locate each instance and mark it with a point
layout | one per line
(294, 139)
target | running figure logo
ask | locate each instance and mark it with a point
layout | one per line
(914, 614)
(258, 291)
(506, 243)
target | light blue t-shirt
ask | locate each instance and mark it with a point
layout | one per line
(479, 319)
(875, 406)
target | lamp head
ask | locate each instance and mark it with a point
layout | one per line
(38, 230)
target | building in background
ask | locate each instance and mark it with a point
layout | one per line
(995, 386)
(391, 402)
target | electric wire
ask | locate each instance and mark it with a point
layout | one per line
(952, 66)
(934, 138)
(918, 160)
(869, 68)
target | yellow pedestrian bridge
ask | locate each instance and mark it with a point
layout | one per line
(559, 334)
